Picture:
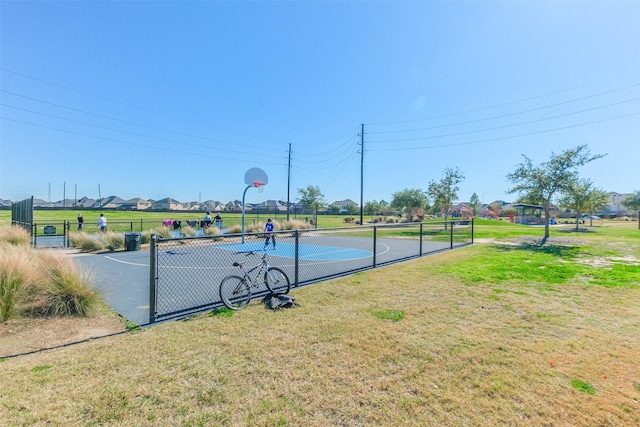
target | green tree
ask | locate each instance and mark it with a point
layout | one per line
(445, 191)
(633, 203)
(312, 198)
(545, 181)
(582, 197)
(474, 203)
(372, 208)
(352, 209)
(409, 201)
(333, 210)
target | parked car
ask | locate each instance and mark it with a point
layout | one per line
(590, 217)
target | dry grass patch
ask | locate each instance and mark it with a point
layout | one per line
(458, 357)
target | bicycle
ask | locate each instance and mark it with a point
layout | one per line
(235, 291)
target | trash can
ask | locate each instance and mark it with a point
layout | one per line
(132, 241)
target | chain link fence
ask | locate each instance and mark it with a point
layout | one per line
(185, 272)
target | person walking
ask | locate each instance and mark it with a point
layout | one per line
(218, 220)
(102, 223)
(268, 228)
(80, 222)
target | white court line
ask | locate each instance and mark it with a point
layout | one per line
(303, 261)
(127, 262)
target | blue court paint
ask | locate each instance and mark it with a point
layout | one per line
(307, 252)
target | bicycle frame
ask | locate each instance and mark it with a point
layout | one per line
(246, 274)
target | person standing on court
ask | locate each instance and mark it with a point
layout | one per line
(80, 221)
(102, 223)
(268, 228)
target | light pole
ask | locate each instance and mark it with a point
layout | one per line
(486, 192)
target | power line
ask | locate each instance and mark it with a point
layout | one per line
(129, 122)
(199, 154)
(126, 132)
(507, 126)
(509, 136)
(131, 105)
(510, 114)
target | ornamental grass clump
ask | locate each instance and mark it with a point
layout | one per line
(84, 242)
(295, 224)
(15, 235)
(234, 229)
(17, 274)
(65, 289)
(112, 241)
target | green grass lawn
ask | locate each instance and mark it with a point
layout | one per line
(504, 332)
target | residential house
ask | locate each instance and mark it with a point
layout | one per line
(343, 205)
(614, 206)
(167, 204)
(136, 204)
(110, 202)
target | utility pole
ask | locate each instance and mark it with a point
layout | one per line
(289, 183)
(64, 194)
(361, 173)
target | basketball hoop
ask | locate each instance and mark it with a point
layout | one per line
(257, 178)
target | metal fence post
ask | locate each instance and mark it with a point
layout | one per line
(451, 228)
(153, 277)
(375, 233)
(421, 231)
(472, 230)
(296, 258)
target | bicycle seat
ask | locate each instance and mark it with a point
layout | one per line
(237, 264)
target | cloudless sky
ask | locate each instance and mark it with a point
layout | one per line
(179, 99)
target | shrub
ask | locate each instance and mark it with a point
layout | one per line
(66, 290)
(212, 231)
(146, 237)
(235, 229)
(257, 228)
(164, 232)
(15, 235)
(112, 241)
(16, 275)
(294, 224)
(85, 242)
(189, 231)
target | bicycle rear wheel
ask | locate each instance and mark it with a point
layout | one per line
(235, 292)
(277, 281)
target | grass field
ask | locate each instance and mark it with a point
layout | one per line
(505, 332)
(57, 217)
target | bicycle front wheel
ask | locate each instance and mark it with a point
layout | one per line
(277, 281)
(235, 292)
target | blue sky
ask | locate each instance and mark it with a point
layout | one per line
(179, 99)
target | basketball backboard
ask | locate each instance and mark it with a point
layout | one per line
(256, 177)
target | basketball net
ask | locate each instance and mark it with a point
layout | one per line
(259, 186)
